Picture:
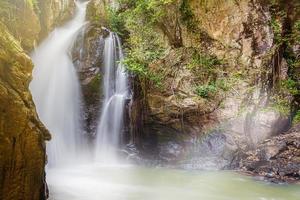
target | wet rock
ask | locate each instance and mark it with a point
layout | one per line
(87, 57)
(170, 151)
(207, 153)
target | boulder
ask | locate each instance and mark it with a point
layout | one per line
(277, 159)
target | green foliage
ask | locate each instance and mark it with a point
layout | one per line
(281, 104)
(187, 16)
(291, 86)
(138, 66)
(146, 11)
(206, 67)
(296, 31)
(134, 65)
(296, 118)
(224, 84)
(206, 91)
(276, 27)
(211, 89)
(116, 21)
(204, 61)
(208, 70)
(137, 25)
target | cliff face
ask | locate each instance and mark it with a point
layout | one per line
(53, 13)
(207, 74)
(29, 21)
(22, 141)
(22, 135)
(212, 81)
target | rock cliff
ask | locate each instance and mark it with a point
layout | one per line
(22, 139)
(210, 76)
(22, 135)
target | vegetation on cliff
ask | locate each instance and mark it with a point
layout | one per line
(209, 66)
(145, 26)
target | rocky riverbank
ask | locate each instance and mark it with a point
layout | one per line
(277, 159)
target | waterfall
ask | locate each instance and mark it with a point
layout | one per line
(56, 91)
(115, 93)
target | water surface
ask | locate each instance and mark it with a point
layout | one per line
(125, 182)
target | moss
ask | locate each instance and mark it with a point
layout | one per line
(92, 90)
(206, 91)
(296, 118)
(206, 61)
(291, 86)
(280, 104)
(276, 27)
(116, 21)
(187, 16)
(94, 84)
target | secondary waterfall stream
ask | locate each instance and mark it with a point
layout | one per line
(115, 93)
(56, 92)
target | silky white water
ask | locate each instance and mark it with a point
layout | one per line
(115, 93)
(56, 91)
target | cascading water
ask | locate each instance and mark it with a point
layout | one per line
(56, 90)
(115, 93)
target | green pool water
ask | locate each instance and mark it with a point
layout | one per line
(125, 182)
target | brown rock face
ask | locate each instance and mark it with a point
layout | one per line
(22, 136)
(96, 11)
(238, 33)
(29, 21)
(53, 13)
(241, 112)
(176, 103)
(22, 21)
